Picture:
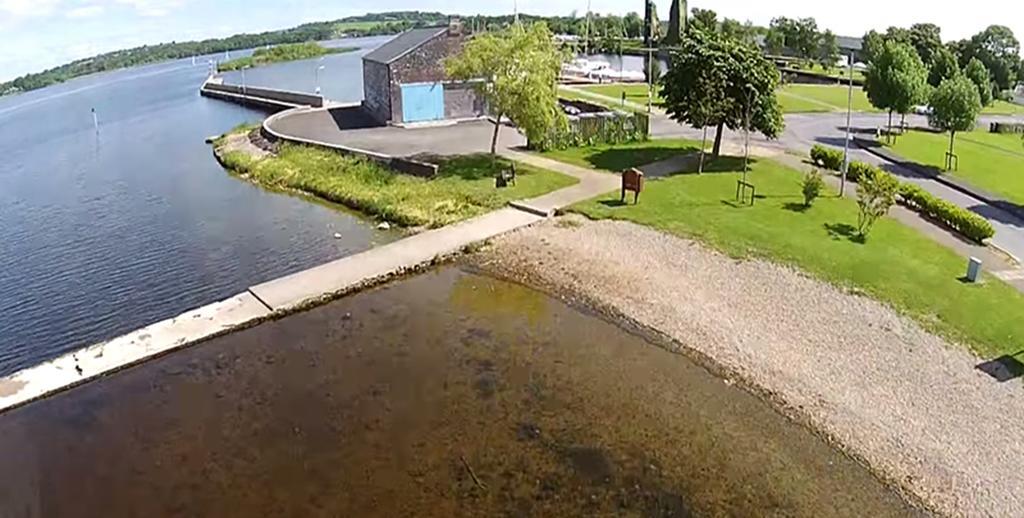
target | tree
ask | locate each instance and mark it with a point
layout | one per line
(926, 39)
(896, 79)
(871, 44)
(955, 107)
(876, 194)
(676, 22)
(998, 50)
(520, 67)
(633, 25)
(828, 50)
(944, 66)
(747, 100)
(775, 41)
(704, 20)
(978, 74)
(742, 32)
(798, 35)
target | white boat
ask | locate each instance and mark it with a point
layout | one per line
(600, 70)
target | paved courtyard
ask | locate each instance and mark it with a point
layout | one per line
(329, 126)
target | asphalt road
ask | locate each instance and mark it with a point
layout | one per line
(805, 130)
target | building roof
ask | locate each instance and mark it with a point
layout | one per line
(403, 44)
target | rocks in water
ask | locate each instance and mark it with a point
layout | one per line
(384, 225)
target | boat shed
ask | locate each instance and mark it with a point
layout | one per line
(404, 80)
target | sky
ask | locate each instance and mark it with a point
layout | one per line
(40, 34)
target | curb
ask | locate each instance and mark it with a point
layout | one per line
(873, 147)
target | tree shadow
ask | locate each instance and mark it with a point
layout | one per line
(796, 207)
(613, 202)
(619, 158)
(469, 167)
(1003, 368)
(1004, 212)
(722, 164)
(841, 231)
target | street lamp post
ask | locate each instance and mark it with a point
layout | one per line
(245, 93)
(318, 69)
(846, 141)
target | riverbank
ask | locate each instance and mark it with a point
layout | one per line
(281, 54)
(907, 403)
(464, 186)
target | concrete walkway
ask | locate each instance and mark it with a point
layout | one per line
(293, 292)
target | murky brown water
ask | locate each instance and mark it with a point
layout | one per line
(446, 394)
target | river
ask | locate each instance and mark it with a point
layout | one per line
(106, 231)
(446, 394)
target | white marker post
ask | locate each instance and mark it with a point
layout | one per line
(95, 121)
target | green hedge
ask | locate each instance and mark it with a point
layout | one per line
(827, 157)
(963, 221)
(959, 219)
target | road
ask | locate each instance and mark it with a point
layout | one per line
(805, 130)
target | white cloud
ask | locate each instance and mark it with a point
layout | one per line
(84, 11)
(153, 8)
(27, 8)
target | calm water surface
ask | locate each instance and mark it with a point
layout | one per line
(102, 233)
(448, 394)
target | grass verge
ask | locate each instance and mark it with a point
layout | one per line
(463, 187)
(989, 161)
(616, 157)
(896, 264)
(281, 53)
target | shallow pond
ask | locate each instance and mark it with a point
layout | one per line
(444, 394)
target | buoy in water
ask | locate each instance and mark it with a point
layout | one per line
(337, 235)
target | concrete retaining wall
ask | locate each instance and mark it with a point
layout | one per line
(399, 164)
(255, 94)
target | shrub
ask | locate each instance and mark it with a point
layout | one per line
(827, 157)
(875, 196)
(857, 170)
(812, 187)
(961, 220)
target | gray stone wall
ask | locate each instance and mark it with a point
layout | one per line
(377, 91)
(461, 101)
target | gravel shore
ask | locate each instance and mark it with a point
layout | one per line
(907, 403)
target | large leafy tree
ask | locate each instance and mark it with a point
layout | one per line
(927, 40)
(896, 79)
(716, 81)
(828, 50)
(633, 25)
(871, 44)
(519, 67)
(944, 66)
(704, 20)
(955, 107)
(999, 50)
(978, 74)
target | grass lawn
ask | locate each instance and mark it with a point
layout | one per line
(621, 156)
(896, 264)
(636, 93)
(1003, 108)
(993, 162)
(463, 187)
(826, 97)
(836, 72)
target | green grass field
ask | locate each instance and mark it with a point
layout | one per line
(463, 187)
(896, 265)
(636, 93)
(1003, 108)
(990, 161)
(621, 156)
(825, 97)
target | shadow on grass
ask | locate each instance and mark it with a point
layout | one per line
(612, 202)
(722, 164)
(1003, 368)
(617, 159)
(839, 231)
(796, 207)
(470, 167)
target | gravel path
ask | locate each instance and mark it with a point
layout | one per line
(909, 404)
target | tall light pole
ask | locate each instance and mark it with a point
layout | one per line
(849, 114)
(318, 69)
(245, 94)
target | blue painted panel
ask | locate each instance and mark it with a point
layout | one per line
(422, 102)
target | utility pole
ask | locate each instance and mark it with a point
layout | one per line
(586, 38)
(849, 115)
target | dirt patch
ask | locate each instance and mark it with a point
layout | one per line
(905, 402)
(11, 387)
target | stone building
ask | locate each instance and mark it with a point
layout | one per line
(404, 80)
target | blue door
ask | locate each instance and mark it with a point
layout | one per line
(422, 102)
